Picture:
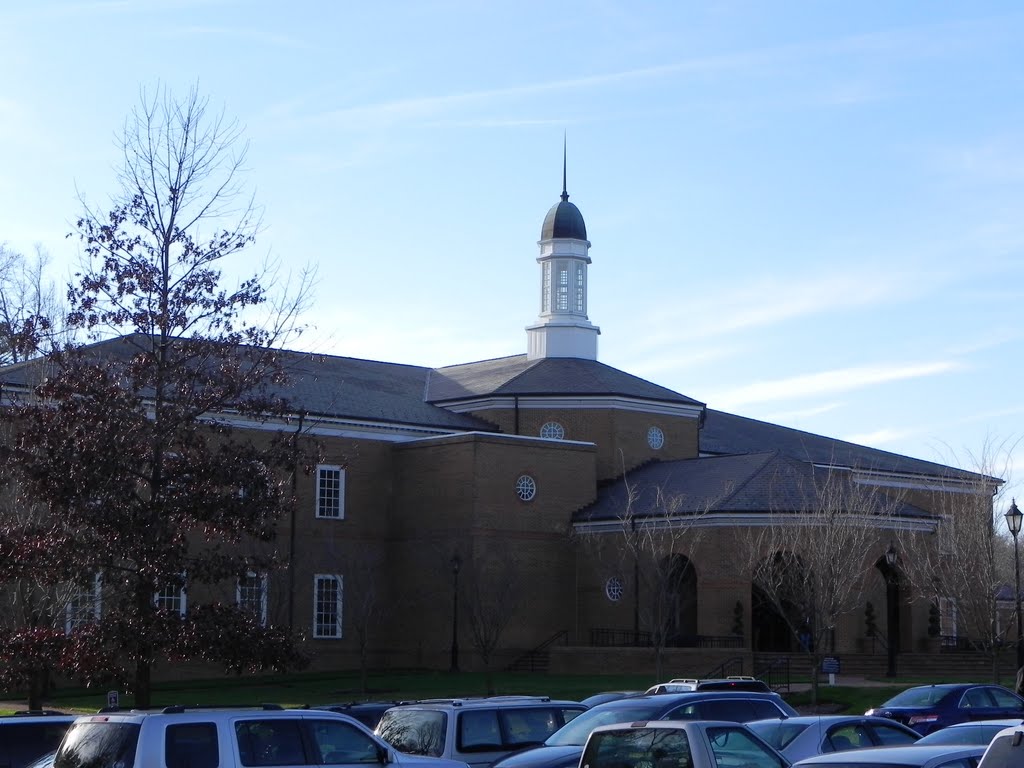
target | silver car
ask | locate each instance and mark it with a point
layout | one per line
(801, 737)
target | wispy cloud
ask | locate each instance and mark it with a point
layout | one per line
(794, 416)
(827, 383)
(769, 301)
(247, 34)
(879, 436)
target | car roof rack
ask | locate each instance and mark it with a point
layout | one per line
(173, 709)
(35, 713)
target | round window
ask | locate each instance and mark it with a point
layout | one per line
(526, 488)
(552, 430)
(655, 438)
(613, 589)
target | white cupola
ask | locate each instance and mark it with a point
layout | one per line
(562, 328)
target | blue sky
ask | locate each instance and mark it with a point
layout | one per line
(805, 212)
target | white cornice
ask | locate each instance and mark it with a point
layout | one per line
(580, 402)
(755, 520)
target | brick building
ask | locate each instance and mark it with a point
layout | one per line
(451, 491)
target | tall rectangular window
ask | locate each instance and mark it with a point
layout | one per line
(330, 491)
(562, 299)
(170, 598)
(251, 595)
(545, 291)
(83, 606)
(581, 303)
(327, 591)
(948, 618)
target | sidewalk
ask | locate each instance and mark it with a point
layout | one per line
(851, 681)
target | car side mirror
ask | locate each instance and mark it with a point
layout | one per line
(383, 755)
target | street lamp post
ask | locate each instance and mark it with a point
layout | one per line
(892, 609)
(456, 565)
(1014, 517)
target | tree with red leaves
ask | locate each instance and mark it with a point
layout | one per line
(131, 450)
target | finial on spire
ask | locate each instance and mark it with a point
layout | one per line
(565, 195)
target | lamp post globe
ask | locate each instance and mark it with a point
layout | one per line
(456, 564)
(1014, 518)
(892, 609)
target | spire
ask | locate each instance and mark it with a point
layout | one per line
(565, 195)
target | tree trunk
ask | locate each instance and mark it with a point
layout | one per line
(143, 683)
(38, 688)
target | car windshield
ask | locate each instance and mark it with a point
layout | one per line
(98, 744)
(778, 733)
(575, 732)
(922, 696)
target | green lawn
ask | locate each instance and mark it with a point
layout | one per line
(323, 688)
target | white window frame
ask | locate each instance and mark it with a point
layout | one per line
(318, 602)
(84, 608)
(260, 611)
(337, 510)
(948, 618)
(162, 597)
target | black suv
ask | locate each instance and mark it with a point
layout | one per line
(27, 736)
(563, 748)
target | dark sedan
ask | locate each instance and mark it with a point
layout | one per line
(927, 708)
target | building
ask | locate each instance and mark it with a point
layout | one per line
(484, 490)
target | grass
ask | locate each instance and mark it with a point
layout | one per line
(328, 687)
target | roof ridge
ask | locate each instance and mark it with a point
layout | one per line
(768, 457)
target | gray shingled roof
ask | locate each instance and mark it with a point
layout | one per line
(749, 483)
(324, 385)
(726, 433)
(517, 375)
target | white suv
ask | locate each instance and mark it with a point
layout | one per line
(185, 737)
(478, 731)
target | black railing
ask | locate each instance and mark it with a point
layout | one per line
(620, 638)
(536, 659)
(628, 638)
(733, 666)
(775, 673)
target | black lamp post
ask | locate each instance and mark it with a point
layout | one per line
(456, 565)
(892, 609)
(1014, 517)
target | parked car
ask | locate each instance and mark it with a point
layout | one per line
(911, 756)
(368, 713)
(27, 736)
(605, 696)
(978, 732)
(678, 744)
(800, 737)
(194, 737)
(927, 708)
(563, 748)
(478, 731)
(1006, 749)
(732, 683)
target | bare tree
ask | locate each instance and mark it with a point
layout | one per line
(492, 590)
(648, 534)
(125, 444)
(365, 605)
(967, 564)
(31, 314)
(810, 556)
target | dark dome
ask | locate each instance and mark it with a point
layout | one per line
(564, 220)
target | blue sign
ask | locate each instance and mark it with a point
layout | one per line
(830, 665)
